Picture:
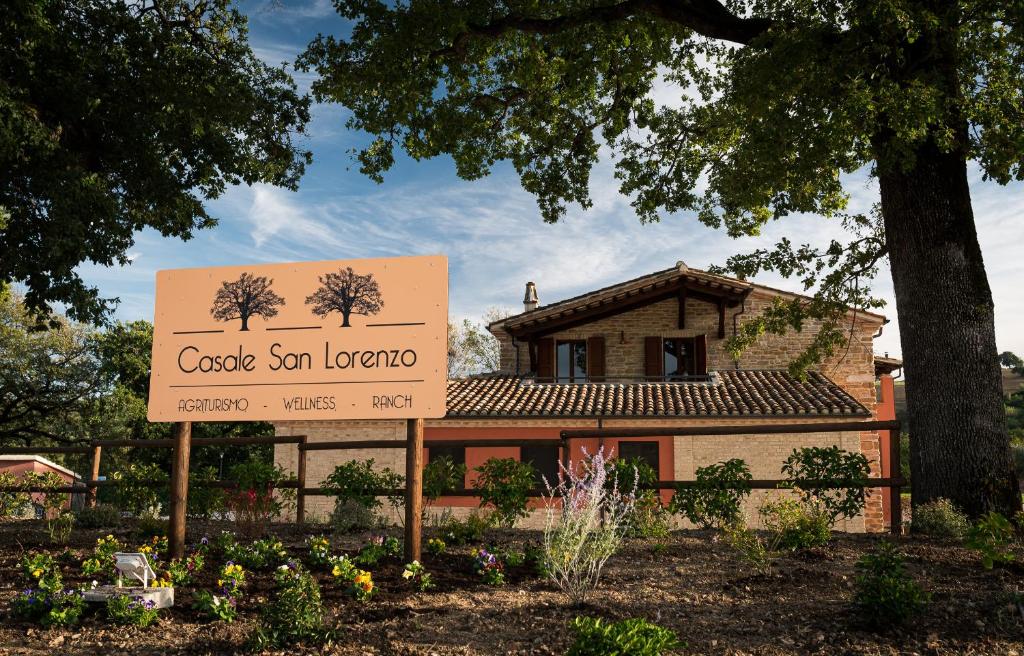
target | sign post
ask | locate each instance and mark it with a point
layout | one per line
(318, 341)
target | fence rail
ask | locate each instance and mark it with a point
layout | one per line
(893, 483)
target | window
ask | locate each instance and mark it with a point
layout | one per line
(646, 451)
(457, 454)
(571, 362)
(545, 463)
(680, 358)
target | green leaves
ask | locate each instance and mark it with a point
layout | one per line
(128, 115)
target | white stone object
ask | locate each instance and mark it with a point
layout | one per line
(136, 565)
(161, 597)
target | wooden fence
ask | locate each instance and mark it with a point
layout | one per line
(415, 443)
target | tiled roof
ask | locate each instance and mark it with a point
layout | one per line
(730, 394)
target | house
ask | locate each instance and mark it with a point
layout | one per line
(19, 465)
(648, 352)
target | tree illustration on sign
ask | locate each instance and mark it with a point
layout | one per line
(249, 296)
(348, 293)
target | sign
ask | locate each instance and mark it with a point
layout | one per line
(355, 339)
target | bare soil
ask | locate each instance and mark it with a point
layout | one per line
(688, 582)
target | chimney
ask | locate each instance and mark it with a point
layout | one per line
(530, 300)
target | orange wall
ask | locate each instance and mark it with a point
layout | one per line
(885, 410)
(476, 456)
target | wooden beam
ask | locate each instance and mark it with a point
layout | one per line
(413, 489)
(721, 319)
(300, 474)
(741, 429)
(95, 474)
(895, 471)
(179, 488)
(682, 308)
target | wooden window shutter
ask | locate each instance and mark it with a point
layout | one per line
(546, 359)
(700, 355)
(595, 358)
(654, 358)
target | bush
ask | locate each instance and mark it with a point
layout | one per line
(470, 530)
(136, 492)
(46, 601)
(885, 593)
(356, 487)
(12, 504)
(635, 477)
(294, 613)
(585, 525)
(940, 518)
(715, 500)
(350, 516)
(750, 547)
(632, 637)
(258, 499)
(440, 476)
(58, 522)
(504, 484)
(100, 516)
(650, 519)
(204, 502)
(795, 525)
(122, 609)
(992, 536)
(811, 465)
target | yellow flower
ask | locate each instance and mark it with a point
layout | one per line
(336, 571)
(220, 583)
(37, 572)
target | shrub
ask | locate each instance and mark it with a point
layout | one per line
(258, 499)
(715, 500)
(417, 576)
(885, 593)
(991, 536)
(100, 516)
(138, 489)
(349, 516)
(13, 503)
(122, 609)
(504, 485)
(471, 529)
(585, 524)
(440, 476)
(632, 637)
(636, 477)
(795, 525)
(204, 501)
(58, 522)
(378, 548)
(650, 519)
(357, 485)
(807, 467)
(940, 518)
(294, 612)
(489, 568)
(750, 547)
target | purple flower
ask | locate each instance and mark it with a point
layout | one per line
(204, 541)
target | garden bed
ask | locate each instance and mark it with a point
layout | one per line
(688, 582)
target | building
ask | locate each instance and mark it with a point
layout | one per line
(648, 352)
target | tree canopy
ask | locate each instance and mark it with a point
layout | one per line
(121, 115)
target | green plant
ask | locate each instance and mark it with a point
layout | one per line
(469, 530)
(378, 548)
(12, 502)
(991, 536)
(181, 572)
(259, 498)
(750, 547)
(49, 607)
(102, 559)
(631, 637)
(358, 583)
(213, 606)
(319, 550)
(795, 524)
(60, 527)
(844, 472)
(139, 488)
(135, 611)
(489, 567)
(436, 546)
(504, 484)
(58, 522)
(349, 516)
(417, 576)
(715, 499)
(885, 593)
(258, 554)
(41, 570)
(940, 518)
(294, 613)
(100, 516)
(442, 475)
(649, 519)
(357, 483)
(150, 526)
(204, 501)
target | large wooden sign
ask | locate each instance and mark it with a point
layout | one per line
(357, 339)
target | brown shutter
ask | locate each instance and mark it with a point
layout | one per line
(546, 359)
(654, 358)
(700, 355)
(595, 358)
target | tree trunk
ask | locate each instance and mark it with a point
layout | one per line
(959, 444)
(344, 321)
(245, 322)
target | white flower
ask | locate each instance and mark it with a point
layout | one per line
(407, 574)
(95, 584)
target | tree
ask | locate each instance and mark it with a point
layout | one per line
(1012, 361)
(777, 101)
(121, 115)
(346, 292)
(249, 296)
(473, 350)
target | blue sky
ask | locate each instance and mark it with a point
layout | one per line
(491, 229)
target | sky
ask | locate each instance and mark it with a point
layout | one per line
(491, 229)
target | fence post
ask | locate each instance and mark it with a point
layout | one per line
(413, 488)
(300, 496)
(895, 472)
(179, 488)
(96, 450)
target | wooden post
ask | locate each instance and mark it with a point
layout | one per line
(300, 497)
(896, 472)
(96, 450)
(413, 488)
(179, 488)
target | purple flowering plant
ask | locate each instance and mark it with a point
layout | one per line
(133, 610)
(489, 567)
